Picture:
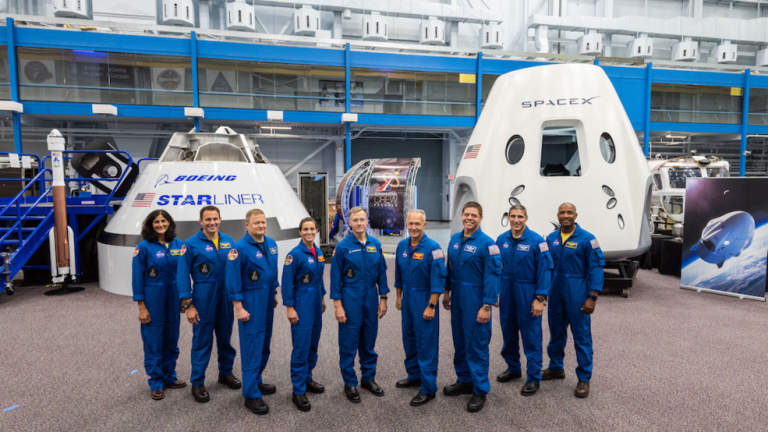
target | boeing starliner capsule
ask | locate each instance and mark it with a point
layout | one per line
(725, 237)
(554, 134)
(224, 169)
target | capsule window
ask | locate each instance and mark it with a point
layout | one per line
(607, 148)
(560, 152)
(515, 149)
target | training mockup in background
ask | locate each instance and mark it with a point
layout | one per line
(555, 134)
(726, 236)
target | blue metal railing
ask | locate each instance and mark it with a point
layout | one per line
(87, 179)
(19, 217)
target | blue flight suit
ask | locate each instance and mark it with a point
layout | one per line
(303, 288)
(578, 270)
(205, 264)
(474, 273)
(420, 272)
(252, 279)
(526, 273)
(154, 282)
(357, 269)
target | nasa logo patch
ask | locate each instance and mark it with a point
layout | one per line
(310, 260)
(273, 251)
(183, 249)
(506, 245)
(288, 260)
(544, 247)
(437, 254)
(259, 255)
(556, 243)
(456, 246)
(405, 254)
(493, 250)
(208, 248)
(135, 251)
(470, 249)
(232, 255)
(594, 244)
(160, 254)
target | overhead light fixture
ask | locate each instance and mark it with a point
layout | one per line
(677, 136)
(276, 127)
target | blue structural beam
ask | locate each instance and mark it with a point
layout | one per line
(695, 127)
(13, 71)
(479, 86)
(647, 128)
(270, 53)
(347, 104)
(195, 89)
(744, 125)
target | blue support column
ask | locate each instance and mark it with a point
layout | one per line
(744, 125)
(647, 132)
(479, 101)
(195, 90)
(13, 71)
(347, 103)
(596, 61)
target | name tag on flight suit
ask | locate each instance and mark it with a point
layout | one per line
(523, 248)
(418, 256)
(371, 249)
(571, 245)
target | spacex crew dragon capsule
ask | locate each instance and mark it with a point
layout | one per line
(224, 169)
(725, 237)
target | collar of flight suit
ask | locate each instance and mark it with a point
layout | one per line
(249, 238)
(421, 242)
(201, 235)
(305, 249)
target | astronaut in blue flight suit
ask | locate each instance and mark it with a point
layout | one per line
(205, 301)
(154, 288)
(419, 279)
(577, 280)
(525, 280)
(474, 271)
(303, 296)
(358, 266)
(251, 279)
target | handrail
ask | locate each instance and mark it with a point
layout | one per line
(138, 164)
(21, 219)
(24, 154)
(119, 180)
(20, 194)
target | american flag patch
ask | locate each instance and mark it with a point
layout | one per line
(544, 247)
(594, 243)
(437, 254)
(472, 151)
(143, 200)
(493, 250)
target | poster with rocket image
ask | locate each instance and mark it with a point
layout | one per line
(725, 245)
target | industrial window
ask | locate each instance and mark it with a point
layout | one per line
(684, 103)
(560, 152)
(677, 176)
(239, 16)
(230, 16)
(607, 148)
(515, 149)
(487, 34)
(308, 21)
(657, 181)
(187, 12)
(497, 37)
(377, 27)
(717, 172)
(367, 28)
(175, 9)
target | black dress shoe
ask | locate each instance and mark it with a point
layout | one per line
(508, 376)
(372, 387)
(475, 403)
(230, 381)
(301, 402)
(200, 394)
(548, 374)
(421, 399)
(458, 388)
(529, 389)
(405, 383)
(257, 406)
(314, 387)
(352, 394)
(267, 389)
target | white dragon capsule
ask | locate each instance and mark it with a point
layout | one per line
(224, 169)
(554, 134)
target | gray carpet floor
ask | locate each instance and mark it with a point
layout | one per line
(665, 359)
